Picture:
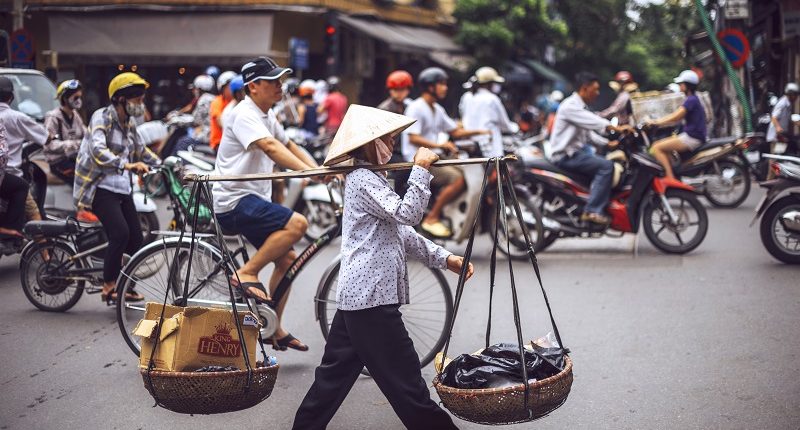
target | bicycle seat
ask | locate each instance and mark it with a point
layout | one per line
(50, 228)
(544, 164)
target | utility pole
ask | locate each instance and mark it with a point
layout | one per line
(18, 14)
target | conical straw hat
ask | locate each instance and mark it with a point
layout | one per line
(360, 126)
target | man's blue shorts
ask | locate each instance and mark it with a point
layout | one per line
(255, 219)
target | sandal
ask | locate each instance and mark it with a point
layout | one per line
(286, 342)
(244, 289)
(110, 297)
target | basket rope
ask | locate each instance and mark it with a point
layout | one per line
(503, 185)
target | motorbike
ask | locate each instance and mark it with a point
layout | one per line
(779, 210)
(668, 210)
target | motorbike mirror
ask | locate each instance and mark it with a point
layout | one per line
(796, 117)
(615, 121)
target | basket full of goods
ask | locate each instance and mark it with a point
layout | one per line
(504, 383)
(202, 360)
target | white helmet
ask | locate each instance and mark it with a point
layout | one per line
(688, 77)
(556, 96)
(791, 87)
(485, 75)
(203, 83)
(225, 78)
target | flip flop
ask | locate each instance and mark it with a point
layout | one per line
(285, 342)
(244, 289)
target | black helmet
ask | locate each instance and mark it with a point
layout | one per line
(431, 76)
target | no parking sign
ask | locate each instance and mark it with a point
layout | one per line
(736, 46)
(22, 48)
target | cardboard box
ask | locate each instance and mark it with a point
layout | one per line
(194, 337)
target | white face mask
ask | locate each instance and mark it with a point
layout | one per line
(496, 88)
(76, 103)
(383, 151)
(134, 109)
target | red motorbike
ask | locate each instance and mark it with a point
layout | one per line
(673, 218)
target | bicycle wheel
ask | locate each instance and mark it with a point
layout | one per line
(43, 271)
(159, 270)
(425, 317)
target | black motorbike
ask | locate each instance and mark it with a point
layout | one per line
(780, 210)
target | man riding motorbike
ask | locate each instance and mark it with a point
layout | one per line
(694, 130)
(217, 106)
(624, 85)
(485, 111)
(66, 128)
(574, 128)
(432, 119)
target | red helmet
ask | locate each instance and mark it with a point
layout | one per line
(399, 79)
(623, 77)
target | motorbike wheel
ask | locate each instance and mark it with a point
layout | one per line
(689, 230)
(780, 243)
(733, 186)
(149, 223)
(43, 268)
(533, 220)
(320, 216)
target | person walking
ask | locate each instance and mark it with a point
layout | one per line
(781, 126)
(109, 153)
(377, 236)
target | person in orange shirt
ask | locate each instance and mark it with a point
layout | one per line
(217, 106)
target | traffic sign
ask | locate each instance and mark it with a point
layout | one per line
(21, 46)
(736, 46)
(298, 51)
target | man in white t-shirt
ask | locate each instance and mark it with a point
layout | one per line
(432, 119)
(253, 141)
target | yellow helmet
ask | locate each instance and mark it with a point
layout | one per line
(125, 80)
(70, 84)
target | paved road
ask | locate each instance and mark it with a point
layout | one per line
(702, 341)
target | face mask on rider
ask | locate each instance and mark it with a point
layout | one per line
(134, 109)
(383, 150)
(496, 88)
(76, 103)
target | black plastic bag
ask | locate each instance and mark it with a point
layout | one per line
(498, 366)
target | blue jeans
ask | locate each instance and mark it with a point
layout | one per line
(601, 170)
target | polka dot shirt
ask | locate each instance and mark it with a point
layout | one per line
(377, 236)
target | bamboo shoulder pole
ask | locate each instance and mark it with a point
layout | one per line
(336, 170)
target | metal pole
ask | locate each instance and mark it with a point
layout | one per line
(335, 170)
(18, 14)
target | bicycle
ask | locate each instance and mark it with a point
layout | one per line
(166, 261)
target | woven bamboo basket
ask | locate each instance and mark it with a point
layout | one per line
(495, 406)
(210, 392)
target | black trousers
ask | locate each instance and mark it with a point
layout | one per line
(375, 338)
(117, 213)
(15, 191)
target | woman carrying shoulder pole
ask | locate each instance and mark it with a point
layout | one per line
(377, 234)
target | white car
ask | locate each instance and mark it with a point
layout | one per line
(34, 94)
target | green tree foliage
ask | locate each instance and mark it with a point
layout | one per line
(602, 36)
(495, 30)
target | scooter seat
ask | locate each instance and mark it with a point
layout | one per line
(50, 228)
(544, 164)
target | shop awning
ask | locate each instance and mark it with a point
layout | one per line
(402, 38)
(156, 38)
(543, 71)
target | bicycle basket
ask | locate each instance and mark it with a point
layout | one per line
(183, 195)
(208, 393)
